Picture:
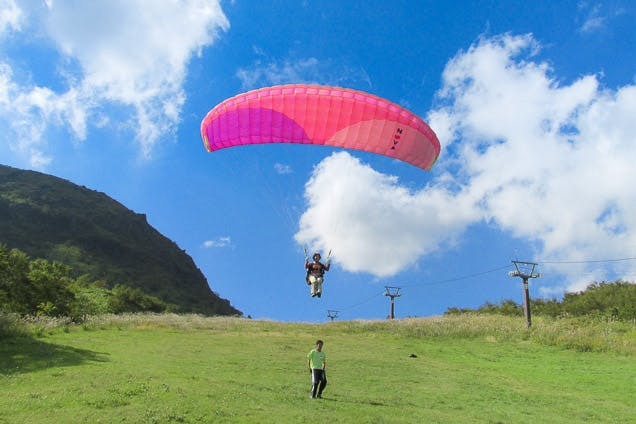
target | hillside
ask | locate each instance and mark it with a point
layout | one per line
(150, 368)
(54, 219)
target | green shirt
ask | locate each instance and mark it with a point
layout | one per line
(316, 359)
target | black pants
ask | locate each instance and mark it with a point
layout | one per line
(318, 381)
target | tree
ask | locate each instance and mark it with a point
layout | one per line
(50, 287)
(615, 300)
(15, 290)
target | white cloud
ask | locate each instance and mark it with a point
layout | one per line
(6, 86)
(302, 71)
(222, 241)
(117, 53)
(545, 161)
(283, 169)
(28, 111)
(596, 17)
(10, 16)
(278, 73)
(143, 62)
(593, 19)
(373, 224)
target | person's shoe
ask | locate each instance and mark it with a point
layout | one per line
(319, 396)
(318, 294)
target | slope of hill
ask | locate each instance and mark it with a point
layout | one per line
(453, 369)
(52, 218)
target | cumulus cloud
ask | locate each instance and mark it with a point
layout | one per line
(113, 53)
(546, 161)
(543, 160)
(373, 223)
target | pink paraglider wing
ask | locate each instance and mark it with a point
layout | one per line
(330, 116)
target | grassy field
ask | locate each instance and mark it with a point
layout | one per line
(169, 368)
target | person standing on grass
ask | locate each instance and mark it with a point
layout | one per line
(316, 363)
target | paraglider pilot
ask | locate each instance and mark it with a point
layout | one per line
(315, 274)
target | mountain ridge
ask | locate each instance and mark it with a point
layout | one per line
(55, 219)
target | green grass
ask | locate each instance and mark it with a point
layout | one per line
(169, 368)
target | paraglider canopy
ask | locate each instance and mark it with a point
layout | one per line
(313, 114)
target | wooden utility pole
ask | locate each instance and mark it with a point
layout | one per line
(392, 292)
(525, 271)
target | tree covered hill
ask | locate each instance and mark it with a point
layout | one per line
(51, 218)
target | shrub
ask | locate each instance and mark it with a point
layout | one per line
(127, 299)
(10, 325)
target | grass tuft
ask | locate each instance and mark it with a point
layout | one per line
(580, 333)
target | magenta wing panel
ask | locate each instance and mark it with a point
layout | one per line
(311, 114)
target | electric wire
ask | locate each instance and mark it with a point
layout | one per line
(588, 261)
(480, 273)
(367, 300)
(463, 277)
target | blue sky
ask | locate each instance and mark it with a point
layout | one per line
(533, 103)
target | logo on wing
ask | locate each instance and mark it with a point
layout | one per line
(396, 137)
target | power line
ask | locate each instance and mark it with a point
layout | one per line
(448, 280)
(463, 277)
(589, 261)
(477, 274)
(480, 273)
(363, 302)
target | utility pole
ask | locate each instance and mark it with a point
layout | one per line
(392, 292)
(525, 271)
(332, 314)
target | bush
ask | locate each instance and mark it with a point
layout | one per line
(41, 288)
(611, 300)
(127, 299)
(10, 325)
(89, 300)
(614, 301)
